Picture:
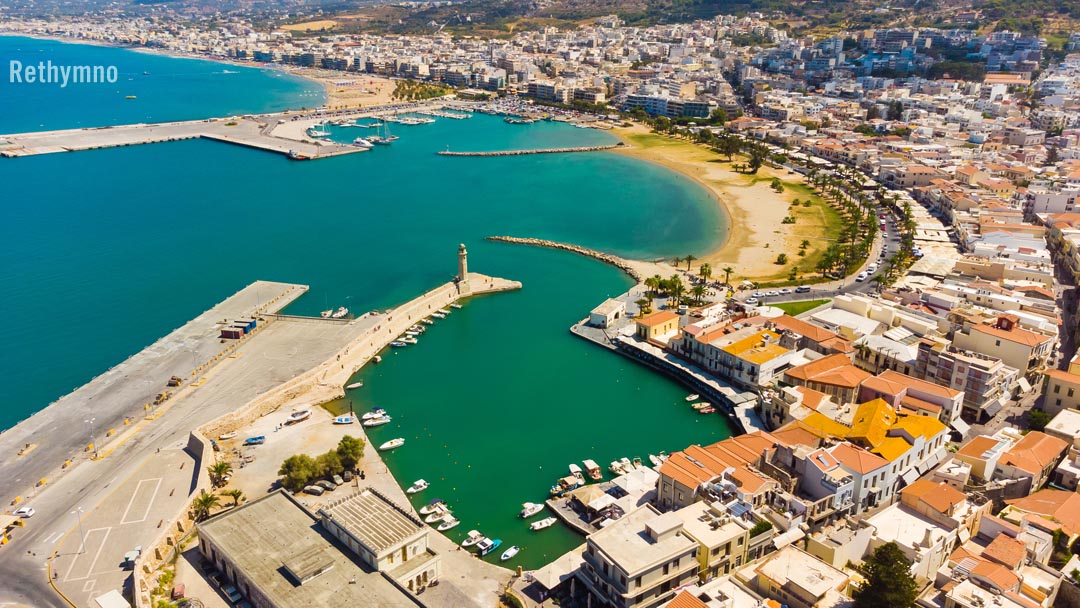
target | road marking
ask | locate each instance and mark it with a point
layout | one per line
(149, 503)
(88, 585)
(97, 554)
(52, 538)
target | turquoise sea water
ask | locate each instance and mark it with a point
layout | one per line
(106, 251)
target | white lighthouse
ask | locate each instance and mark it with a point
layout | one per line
(462, 264)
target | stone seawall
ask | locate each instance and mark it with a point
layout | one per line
(540, 151)
(620, 263)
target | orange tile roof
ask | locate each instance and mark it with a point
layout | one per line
(793, 433)
(1063, 376)
(1000, 576)
(858, 459)
(809, 330)
(657, 318)
(696, 464)
(1034, 452)
(835, 370)
(1006, 551)
(872, 421)
(922, 385)
(686, 600)
(977, 446)
(918, 405)
(1016, 334)
(940, 496)
(1057, 505)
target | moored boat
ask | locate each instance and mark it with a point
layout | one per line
(616, 467)
(432, 506)
(488, 545)
(510, 553)
(472, 538)
(354, 385)
(418, 486)
(701, 405)
(448, 522)
(565, 485)
(543, 523)
(346, 419)
(438, 315)
(637, 462)
(375, 413)
(398, 344)
(298, 416)
(326, 313)
(456, 305)
(340, 313)
(427, 322)
(378, 421)
(440, 513)
(531, 508)
(575, 470)
(707, 410)
(444, 311)
(693, 397)
(592, 469)
(409, 340)
(392, 444)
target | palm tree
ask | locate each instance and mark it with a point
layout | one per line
(675, 288)
(653, 283)
(705, 270)
(236, 495)
(645, 305)
(676, 261)
(203, 503)
(658, 283)
(689, 258)
(699, 293)
(218, 472)
(727, 274)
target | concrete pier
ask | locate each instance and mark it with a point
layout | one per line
(538, 151)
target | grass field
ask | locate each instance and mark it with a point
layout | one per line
(797, 308)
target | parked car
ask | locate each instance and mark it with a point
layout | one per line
(326, 485)
(802, 289)
(785, 291)
(24, 512)
(753, 301)
(862, 277)
(338, 480)
(315, 490)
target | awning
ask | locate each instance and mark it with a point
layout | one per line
(910, 477)
(1025, 386)
(994, 407)
(784, 539)
(558, 571)
(600, 502)
(960, 427)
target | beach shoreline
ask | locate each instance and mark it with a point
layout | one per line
(756, 233)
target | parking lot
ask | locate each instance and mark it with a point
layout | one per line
(89, 559)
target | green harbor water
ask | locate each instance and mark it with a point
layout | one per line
(107, 251)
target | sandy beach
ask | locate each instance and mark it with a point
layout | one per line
(348, 89)
(755, 213)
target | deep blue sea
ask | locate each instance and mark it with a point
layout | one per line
(106, 251)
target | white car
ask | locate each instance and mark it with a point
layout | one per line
(772, 293)
(752, 301)
(785, 291)
(871, 268)
(25, 512)
(862, 277)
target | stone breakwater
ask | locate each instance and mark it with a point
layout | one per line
(627, 266)
(540, 151)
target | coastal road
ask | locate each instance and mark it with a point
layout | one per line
(283, 350)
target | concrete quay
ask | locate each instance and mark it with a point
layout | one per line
(537, 151)
(251, 132)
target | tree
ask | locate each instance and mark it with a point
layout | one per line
(699, 293)
(297, 471)
(350, 450)
(328, 464)
(218, 472)
(688, 259)
(1052, 156)
(705, 271)
(645, 305)
(727, 274)
(778, 186)
(675, 288)
(718, 116)
(203, 503)
(781, 259)
(653, 283)
(888, 582)
(236, 495)
(1038, 419)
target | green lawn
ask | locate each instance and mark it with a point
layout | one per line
(797, 308)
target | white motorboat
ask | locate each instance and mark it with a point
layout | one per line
(487, 545)
(616, 467)
(530, 509)
(409, 340)
(432, 506)
(438, 315)
(225, 436)
(354, 385)
(346, 419)
(378, 359)
(472, 538)
(592, 469)
(427, 322)
(547, 522)
(326, 314)
(392, 444)
(693, 397)
(444, 311)
(418, 486)
(379, 421)
(438, 514)
(298, 416)
(375, 413)
(510, 553)
(340, 313)
(626, 464)
(360, 142)
(448, 523)
(456, 305)
(575, 470)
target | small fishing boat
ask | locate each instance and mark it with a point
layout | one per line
(701, 405)
(326, 313)
(225, 436)
(354, 385)
(510, 553)
(375, 413)
(575, 470)
(456, 305)
(392, 444)
(616, 467)
(627, 466)
(565, 485)
(398, 344)
(637, 462)
(340, 313)
(530, 509)
(707, 410)
(488, 545)
(378, 359)
(658, 460)
(432, 506)
(298, 416)
(347, 419)
(412, 333)
(592, 469)
(448, 522)
(427, 322)
(444, 311)
(418, 486)
(438, 315)
(410, 340)
(473, 537)
(547, 522)
(693, 397)
(378, 421)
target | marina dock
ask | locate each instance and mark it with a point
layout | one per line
(538, 151)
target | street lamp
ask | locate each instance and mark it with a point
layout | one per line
(78, 516)
(92, 442)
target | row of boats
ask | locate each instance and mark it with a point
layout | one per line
(410, 336)
(340, 313)
(576, 478)
(702, 407)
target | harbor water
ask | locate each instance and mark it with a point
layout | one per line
(108, 250)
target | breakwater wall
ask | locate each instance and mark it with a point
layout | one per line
(607, 258)
(539, 151)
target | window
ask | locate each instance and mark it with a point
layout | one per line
(1057, 389)
(1070, 392)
